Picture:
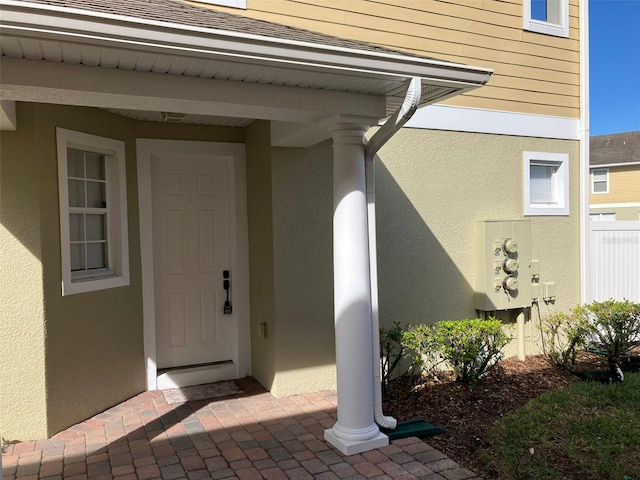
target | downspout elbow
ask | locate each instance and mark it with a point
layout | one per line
(385, 421)
(397, 120)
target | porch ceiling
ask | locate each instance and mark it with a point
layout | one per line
(300, 77)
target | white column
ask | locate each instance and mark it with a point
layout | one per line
(355, 431)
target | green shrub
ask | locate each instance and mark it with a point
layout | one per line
(396, 360)
(611, 327)
(565, 335)
(471, 347)
(421, 341)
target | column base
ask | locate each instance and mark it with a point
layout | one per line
(351, 447)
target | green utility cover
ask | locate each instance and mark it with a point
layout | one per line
(416, 427)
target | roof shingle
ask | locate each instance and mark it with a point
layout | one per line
(186, 13)
(614, 148)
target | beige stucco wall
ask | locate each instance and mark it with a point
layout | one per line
(23, 411)
(431, 187)
(303, 269)
(260, 226)
(79, 354)
(291, 267)
(94, 354)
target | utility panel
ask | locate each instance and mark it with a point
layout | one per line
(502, 264)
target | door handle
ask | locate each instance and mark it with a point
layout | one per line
(226, 283)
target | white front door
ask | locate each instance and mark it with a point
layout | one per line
(192, 247)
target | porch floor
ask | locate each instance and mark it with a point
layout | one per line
(247, 437)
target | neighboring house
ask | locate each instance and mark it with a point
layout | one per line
(614, 164)
(184, 194)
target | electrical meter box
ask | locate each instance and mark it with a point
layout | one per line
(502, 264)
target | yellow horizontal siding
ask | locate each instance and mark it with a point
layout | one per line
(437, 26)
(471, 101)
(533, 72)
(624, 186)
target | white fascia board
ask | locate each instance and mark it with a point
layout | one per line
(465, 119)
(51, 22)
(609, 165)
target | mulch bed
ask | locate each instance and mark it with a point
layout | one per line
(468, 413)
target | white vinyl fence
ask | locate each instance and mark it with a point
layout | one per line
(614, 261)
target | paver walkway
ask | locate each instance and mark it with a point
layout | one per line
(249, 437)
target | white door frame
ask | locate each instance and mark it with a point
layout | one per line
(146, 149)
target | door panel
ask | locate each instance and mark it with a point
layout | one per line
(192, 236)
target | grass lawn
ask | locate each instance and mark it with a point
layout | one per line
(584, 431)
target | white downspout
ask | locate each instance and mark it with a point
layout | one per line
(585, 225)
(391, 126)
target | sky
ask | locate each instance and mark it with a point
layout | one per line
(614, 63)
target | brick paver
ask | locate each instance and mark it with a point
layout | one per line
(249, 437)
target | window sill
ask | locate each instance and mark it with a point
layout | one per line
(547, 28)
(92, 284)
(533, 211)
(98, 274)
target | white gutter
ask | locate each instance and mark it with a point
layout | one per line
(390, 127)
(47, 22)
(609, 165)
(585, 229)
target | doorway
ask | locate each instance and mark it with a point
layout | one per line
(193, 234)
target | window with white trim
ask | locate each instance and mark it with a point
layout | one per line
(93, 212)
(226, 3)
(600, 180)
(546, 183)
(547, 16)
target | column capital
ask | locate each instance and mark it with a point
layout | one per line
(348, 133)
(350, 123)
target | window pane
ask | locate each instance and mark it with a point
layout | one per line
(76, 227)
(96, 195)
(77, 257)
(96, 255)
(95, 165)
(95, 227)
(539, 10)
(599, 175)
(600, 187)
(540, 179)
(76, 193)
(75, 163)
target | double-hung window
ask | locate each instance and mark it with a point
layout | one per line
(547, 16)
(600, 180)
(93, 218)
(88, 214)
(546, 183)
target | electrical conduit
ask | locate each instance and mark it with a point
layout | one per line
(382, 136)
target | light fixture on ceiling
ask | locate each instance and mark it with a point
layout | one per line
(172, 117)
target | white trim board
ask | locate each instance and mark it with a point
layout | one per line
(477, 120)
(614, 205)
(146, 149)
